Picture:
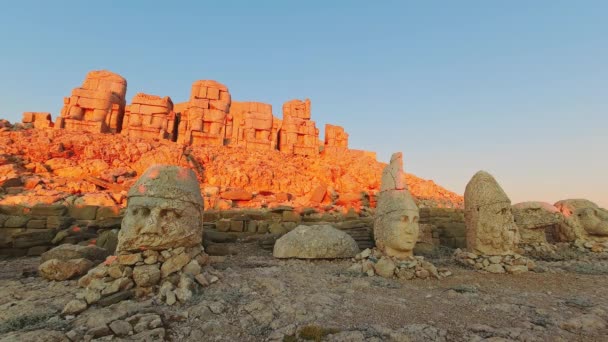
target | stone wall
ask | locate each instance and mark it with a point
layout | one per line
(446, 226)
(32, 231)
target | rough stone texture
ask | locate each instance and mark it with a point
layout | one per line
(373, 262)
(315, 242)
(203, 120)
(396, 227)
(491, 229)
(336, 139)
(97, 106)
(532, 218)
(39, 120)
(55, 269)
(250, 124)
(584, 220)
(67, 252)
(352, 178)
(146, 275)
(298, 134)
(164, 210)
(150, 116)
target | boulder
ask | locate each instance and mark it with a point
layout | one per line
(68, 252)
(315, 242)
(59, 270)
(532, 217)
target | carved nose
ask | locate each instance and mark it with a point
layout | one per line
(152, 224)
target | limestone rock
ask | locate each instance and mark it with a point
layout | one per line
(491, 229)
(583, 220)
(315, 242)
(56, 269)
(396, 226)
(68, 252)
(74, 307)
(385, 267)
(146, 275)
(164, 210)
(532, 218)
(393, 175)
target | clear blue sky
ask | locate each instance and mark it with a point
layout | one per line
(517, 88)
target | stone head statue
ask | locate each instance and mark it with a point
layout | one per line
(396, 227)
(164, 210)
(583, 220)
(490, 225)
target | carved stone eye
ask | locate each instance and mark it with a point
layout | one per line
(415, 220)
(141, 211)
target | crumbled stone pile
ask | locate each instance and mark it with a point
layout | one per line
(172, 275)
(372, 262)
(510, 263)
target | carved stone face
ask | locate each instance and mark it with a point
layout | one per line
(158, 223)
(491, 228)
(164, 210)
(400, 233)
(583, 220)
(593, 220)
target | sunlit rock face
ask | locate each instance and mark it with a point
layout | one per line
(491, 229)
(97, 106)
(396, 227)
(164, 210)
(583, 220)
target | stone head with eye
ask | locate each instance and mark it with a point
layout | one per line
(164, 210)
(583, 220)
(396, 226)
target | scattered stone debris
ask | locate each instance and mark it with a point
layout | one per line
(373, 262)
(511, 263)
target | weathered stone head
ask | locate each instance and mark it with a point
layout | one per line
(535, 220)
(396, 223)
(164, 210)
(583, 220)
(491, 229)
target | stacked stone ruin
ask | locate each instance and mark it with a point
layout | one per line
(208, 118)
(98, 106)
(150, 116)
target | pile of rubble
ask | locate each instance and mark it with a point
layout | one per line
(373, 262)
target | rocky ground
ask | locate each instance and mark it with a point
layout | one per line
(259, 298)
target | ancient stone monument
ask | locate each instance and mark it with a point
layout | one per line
(159, 244)
(298, 134)
(336, 139)
(396, 223)
(584, 220)
(150, 116)
(97, 106)
(491, 229)
(492, 235)
(250, 124)
(38, 119)
(536, 222)
(315, 242)
(203, 119)
(164, 210)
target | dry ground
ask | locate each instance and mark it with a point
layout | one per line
(260, 298)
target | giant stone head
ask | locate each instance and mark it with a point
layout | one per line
(396, 227)
(491, 228)
(584, 220)
(164, 210)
